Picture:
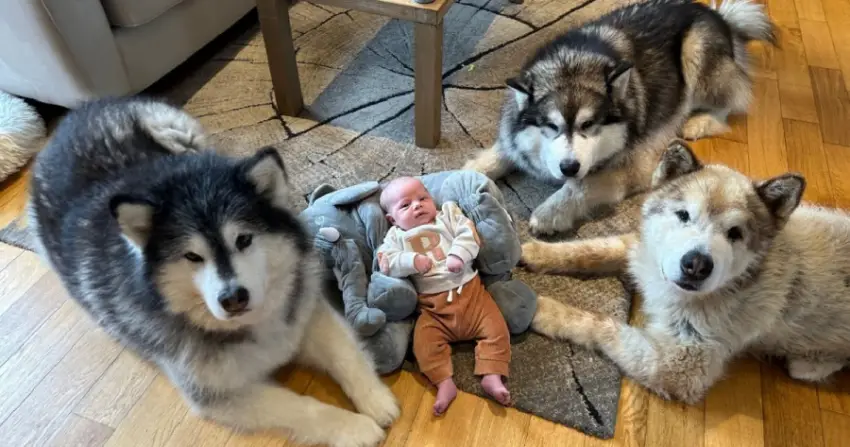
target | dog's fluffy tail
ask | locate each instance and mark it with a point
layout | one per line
(748, 19)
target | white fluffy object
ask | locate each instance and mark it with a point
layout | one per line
(22, 133)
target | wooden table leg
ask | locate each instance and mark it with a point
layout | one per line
(428, 41)
(280, 50)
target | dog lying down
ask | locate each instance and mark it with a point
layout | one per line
(726, 265)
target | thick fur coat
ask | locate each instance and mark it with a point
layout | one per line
(197, 262)
(727, 265)
(593, 109)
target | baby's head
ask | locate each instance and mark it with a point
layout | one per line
(407, 203)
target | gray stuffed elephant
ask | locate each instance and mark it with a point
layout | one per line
(348, 225)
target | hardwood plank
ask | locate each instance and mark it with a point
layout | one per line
(795, 86)
(14, 196)
(115, 393)
(730, 153)
(45, 410)
(458, 423)
(835, 396)
(8, 253)
(21, 274)
(630, 429)
(509, 425)
(194, 430)
(791, 412)
(765, 136)
(738, 129)
(833, 105)
(763, 60)
(154, 417)
(78, 431)
(838, 161)
(19, 322)
(733, 408)
(806, 155)
(47, 346)
(836, 429)
(837, 13)
(410, 389)
(674, 424)
(783, 12)
(543, 433)
(810, 10)
(818, 44)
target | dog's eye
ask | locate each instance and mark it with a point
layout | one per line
(552, 126)
(585, 126)
(193, 257)
(735, 234)
(243, 241)
(683, 215)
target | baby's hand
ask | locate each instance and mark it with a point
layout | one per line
(454, 263)
(422, 263)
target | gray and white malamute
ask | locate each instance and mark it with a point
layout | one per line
(196, 261)
(727, 265)
(594, 108)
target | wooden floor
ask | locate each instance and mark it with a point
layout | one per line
(64, 383)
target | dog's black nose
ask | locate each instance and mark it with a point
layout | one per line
(570, 168)
(696, 266)
(235, 301)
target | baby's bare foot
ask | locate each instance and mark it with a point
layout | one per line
(446, 393)
(492, 384)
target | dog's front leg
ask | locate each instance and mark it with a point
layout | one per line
(306, 420)
(597, 255)
(672, 370)
(330, 345)
(577, 198)
(490, 162)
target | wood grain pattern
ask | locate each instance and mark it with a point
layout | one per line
(795, 86)
(63, 384)
(833, 105)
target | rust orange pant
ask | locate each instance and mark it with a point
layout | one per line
(471, 315)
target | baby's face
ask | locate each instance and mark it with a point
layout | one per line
(409, 204)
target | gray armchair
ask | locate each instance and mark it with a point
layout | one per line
(66, 51)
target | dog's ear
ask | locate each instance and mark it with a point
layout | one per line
(618, 79)
(266, 171)
(782, 194)
(134, 216)
(521, 87)
(677, 160)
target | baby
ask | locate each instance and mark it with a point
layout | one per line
(436, 250)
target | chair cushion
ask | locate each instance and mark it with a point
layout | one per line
(130, 13)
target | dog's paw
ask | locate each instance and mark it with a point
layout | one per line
(356, 430)
(703, 126)
(811, 371)
(380, 404)
(533, 256)
(544, 224)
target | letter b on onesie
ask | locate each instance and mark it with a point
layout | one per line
(428, 243)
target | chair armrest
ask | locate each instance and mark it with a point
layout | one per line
(59, 51)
